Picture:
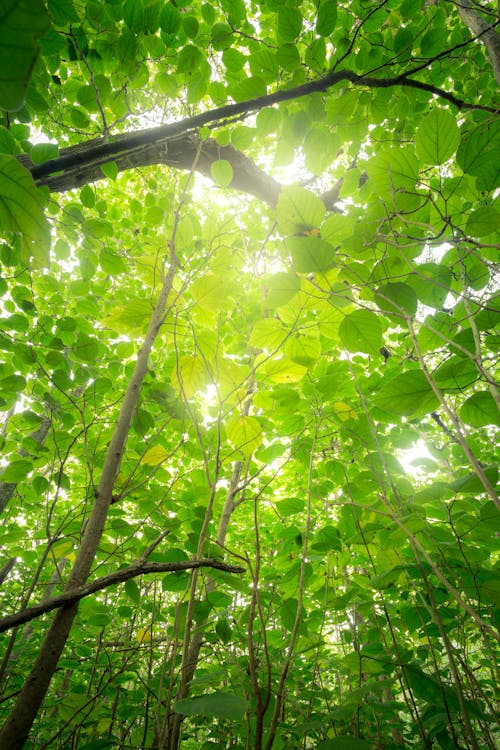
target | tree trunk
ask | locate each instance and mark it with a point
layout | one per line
(19, 723)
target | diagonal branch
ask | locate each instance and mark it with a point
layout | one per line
(178, 152)
(102, 151)
(119, 576)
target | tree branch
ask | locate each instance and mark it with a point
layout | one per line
(178, 152)
(486, 31)
(120, 576)
(100, 152)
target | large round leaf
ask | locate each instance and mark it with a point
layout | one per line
(299, 210)
(483, 221)
(437, 137)
(361, 331)
(393, 168)
(480, 410)
(218, 705)
(311, 254)
(406, 395)
(244, 433)
(431, 282)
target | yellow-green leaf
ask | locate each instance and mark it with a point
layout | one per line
(284, 371)
(130, 318)
(211, 293)
(268, 333)
(222, 172)
(244, 433)
(361, 331)
(299, 210)
(190, 375)
(154, 456)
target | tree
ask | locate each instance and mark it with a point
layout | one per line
(248, 265)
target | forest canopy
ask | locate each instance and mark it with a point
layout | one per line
(249, 336)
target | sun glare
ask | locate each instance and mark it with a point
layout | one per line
(415, 460)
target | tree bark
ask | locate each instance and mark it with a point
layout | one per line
(484, 30)
(178, 152)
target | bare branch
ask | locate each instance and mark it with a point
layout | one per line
(120, 576)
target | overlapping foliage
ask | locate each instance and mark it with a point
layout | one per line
(284, 212)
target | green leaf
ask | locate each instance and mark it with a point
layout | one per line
(43, 152)
(320, 149)
(155, 456)
(8, 143)
(299, 210)
(109, 170)
(190, 375)
(288, 613)
(392, 169)
(87, 196)
(112, 264)
(268, 333)
(248, 88)
(222, 172)
(455, 374)
(216, 705)
(191, 26)
(170, 18)
(22, 22)
(437, 137)
(361, 331)
(311, 254)
(130, 318)
(284, 371)
(17, 471)
(327, 17)
(211, 293)
(281, 288)
(483, 221)
(431, 282)
(406, 395)
(244, 433)
(344, 742)
(132, 591)
(233, 59)
(480, 410)
(478, 152)
(489, 315)
(263, 63)
(21, 208)
(222, 36)
(288, 57)
(326, 539)
(397, 299)
(471, 482)
(403, 40)
(289, 24)
(223, 630)
(290, 505)
(305, 350)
